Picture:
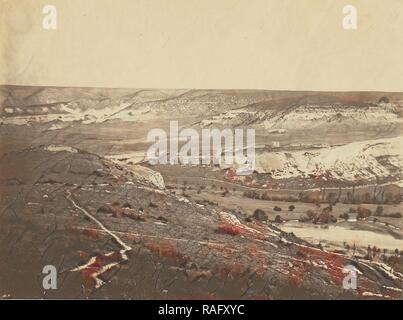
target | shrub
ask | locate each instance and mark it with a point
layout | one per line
(260, 215)
(278, 219)
(311, 214)
(394, 215)
(363, 213)
(379, 211)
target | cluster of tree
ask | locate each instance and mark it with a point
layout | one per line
(252, 194)
(327, 197)
(382, 197)
(375, 252)
(379, 213)
(323, 217)
(363, 213)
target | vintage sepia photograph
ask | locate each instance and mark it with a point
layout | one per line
(190, 152)
(90, 187)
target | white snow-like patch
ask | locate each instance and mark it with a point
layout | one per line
(389, 271)
(98, 115)
(277, 131)
(55, 126)
(393, 289)
(372, 294)
(73, 112)
(357, 160)
(231, 117)
(54, 148)
(308, 116)
(135, 157)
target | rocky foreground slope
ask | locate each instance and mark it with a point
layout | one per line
(111, 234)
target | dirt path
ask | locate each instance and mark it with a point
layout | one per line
(99, 265)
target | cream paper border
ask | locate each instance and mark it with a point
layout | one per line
(237, 44)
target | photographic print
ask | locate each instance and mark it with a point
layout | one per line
(122, 176)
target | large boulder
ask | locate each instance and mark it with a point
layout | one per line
(148, 175)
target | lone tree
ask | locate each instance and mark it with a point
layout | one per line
(379, 211)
